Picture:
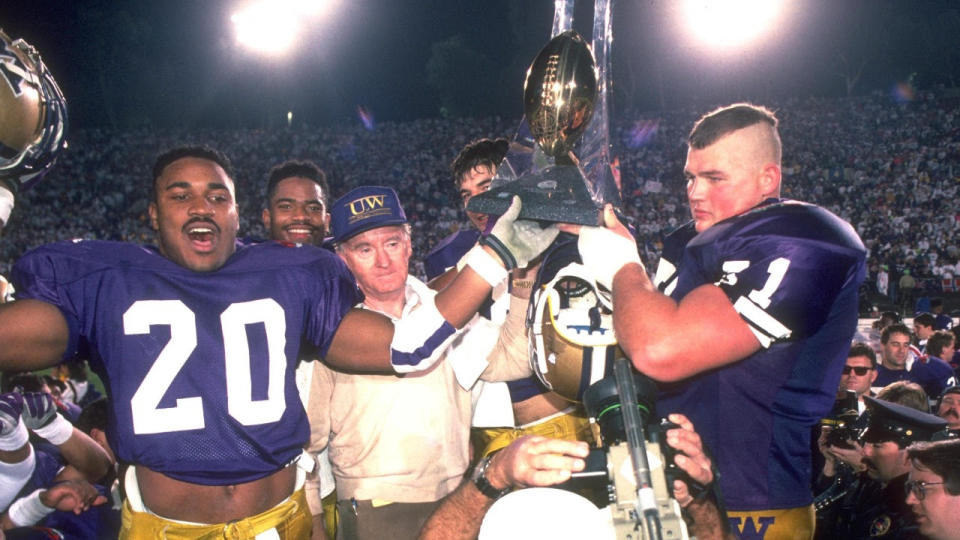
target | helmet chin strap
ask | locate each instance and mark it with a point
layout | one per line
(572, 342)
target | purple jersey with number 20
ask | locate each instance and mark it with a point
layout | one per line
(199, 366)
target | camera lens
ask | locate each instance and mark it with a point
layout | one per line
(602, 402)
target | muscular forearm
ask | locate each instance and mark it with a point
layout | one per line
(638, 309)
(707, 522)
(459, 517)
(460, 300)
(86, 455)
(510, 358)
(667, 340)
(318, 532)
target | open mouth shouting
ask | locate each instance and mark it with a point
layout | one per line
(202, 233)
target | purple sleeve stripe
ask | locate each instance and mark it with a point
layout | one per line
(413, 359)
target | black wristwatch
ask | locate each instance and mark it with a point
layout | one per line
(483, 485)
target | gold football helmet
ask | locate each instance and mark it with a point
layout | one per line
(572, 343)
(33, 114)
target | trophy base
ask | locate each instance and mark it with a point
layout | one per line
(556, 194)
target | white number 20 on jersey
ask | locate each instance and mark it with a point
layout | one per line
(148, 417)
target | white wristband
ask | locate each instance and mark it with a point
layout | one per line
(28, 510)
(56, 432)
(605, 252)
(485, 265)
(15, 439)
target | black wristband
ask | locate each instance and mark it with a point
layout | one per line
(509, 261)
(483, 485)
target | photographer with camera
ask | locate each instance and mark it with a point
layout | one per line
(838, 432)
(841, 464)
(874, 505)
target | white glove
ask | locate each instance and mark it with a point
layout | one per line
(517, 242)
(41, 416)
(39, 409)
(605, 252)
(13, 434)
(11, 405)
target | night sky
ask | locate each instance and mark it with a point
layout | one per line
(176, 62)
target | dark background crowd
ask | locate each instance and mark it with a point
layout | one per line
(888, 166)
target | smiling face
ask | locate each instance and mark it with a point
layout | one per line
(296, 214)
(731, 176)
(474, 182)
(195, 214)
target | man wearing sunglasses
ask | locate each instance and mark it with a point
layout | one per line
(859, 372)
(933, 488)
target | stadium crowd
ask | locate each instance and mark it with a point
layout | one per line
(890, 168)
(886, 167)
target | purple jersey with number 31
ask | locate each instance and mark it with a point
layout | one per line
(792, 272)
(199, 366)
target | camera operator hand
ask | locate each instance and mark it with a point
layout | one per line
(707, 519)
(829, 459)
(851, 456)
(691, 458)
(536, 461)
(528, 461)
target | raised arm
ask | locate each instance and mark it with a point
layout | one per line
(78, 449)
(368, 341)
(33, 335)
(666, 340)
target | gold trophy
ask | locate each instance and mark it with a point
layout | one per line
(559, 97)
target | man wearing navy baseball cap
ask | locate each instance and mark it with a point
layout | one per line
(364, 208)
(398, 444)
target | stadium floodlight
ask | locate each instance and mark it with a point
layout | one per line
(272, 26)
(729, 25)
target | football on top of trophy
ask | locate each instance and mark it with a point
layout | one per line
(560, 92)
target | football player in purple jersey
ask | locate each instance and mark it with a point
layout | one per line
(296, 211)
(748, 320)
(198, 340)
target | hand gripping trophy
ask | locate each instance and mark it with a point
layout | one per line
(559, 166)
